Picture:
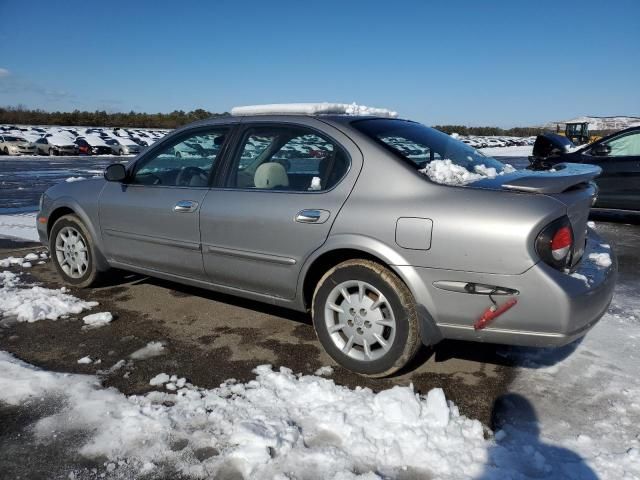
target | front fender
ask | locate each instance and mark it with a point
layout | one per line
(89, 217)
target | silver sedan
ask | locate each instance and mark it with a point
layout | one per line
(391, 234)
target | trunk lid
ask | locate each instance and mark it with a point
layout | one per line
(569, 183)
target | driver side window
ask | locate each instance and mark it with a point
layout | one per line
(625, 146)
(185, 163)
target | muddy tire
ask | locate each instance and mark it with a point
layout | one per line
(366, 318)
(72, 251)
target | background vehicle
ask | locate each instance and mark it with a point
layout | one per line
(52, 145)
(390, 233)
(123, 146)
(13, 145)
(578, 133)
(618, 155)
(92, 145)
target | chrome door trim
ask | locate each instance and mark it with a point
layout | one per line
(248, 255)
(157, 240)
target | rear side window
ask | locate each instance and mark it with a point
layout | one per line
(419, 145)
(288, 158)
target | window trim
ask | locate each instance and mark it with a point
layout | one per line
(235, 153)
(176, 138)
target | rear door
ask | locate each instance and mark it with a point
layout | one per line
(284, 188)
(152, 220)
(619, 183)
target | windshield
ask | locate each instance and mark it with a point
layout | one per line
(421, 145)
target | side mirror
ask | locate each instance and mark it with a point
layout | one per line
(601, 150)
(115, 173)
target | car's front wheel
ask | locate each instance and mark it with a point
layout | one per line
(365, 317)
(73, 251)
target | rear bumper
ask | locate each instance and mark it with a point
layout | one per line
(554, 308)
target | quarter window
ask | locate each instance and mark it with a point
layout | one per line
(184, 163)
(288, 158)
(625, 146)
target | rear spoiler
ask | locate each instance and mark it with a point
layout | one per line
(562, 177)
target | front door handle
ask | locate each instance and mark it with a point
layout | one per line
(185, 206)
(312, 216)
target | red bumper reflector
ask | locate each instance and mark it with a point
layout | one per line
(42, 219)
(489, 315)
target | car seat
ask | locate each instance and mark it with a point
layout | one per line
(271, 175)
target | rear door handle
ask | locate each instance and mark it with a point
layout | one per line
(185, 206)
(312, 216)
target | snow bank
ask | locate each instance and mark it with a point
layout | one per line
(306, 426)
(26, 303)
(21, 226)
(448, 173)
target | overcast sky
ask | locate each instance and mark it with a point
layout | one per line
(502, 63)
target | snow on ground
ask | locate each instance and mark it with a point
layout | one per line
(511, 151)
(575, 412)
(27, 303)
(151, 349)
(306, 426)
(20, 226)
(96, 320)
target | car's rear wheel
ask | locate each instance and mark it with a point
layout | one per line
(365, 317)
(73, 251)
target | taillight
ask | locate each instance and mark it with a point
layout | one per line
(555, 243)
(561, 243)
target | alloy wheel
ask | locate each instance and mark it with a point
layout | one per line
(360, 320)
(72, 252)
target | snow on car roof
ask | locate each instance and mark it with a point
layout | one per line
(312, 109)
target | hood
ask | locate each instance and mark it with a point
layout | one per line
(561, 178)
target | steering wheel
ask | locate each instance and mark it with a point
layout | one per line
(186, 175)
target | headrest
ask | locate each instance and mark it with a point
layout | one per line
(270, 175)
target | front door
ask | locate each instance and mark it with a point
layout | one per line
(284, 189)
(152, 220)
(619, 184)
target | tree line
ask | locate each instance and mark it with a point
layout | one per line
(100, 118)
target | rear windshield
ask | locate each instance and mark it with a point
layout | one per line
(420, 145)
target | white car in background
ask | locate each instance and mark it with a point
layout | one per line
(16, 145)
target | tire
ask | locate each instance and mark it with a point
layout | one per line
(6, 151)
(65, 227)
(120, 152)
(380, 345)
